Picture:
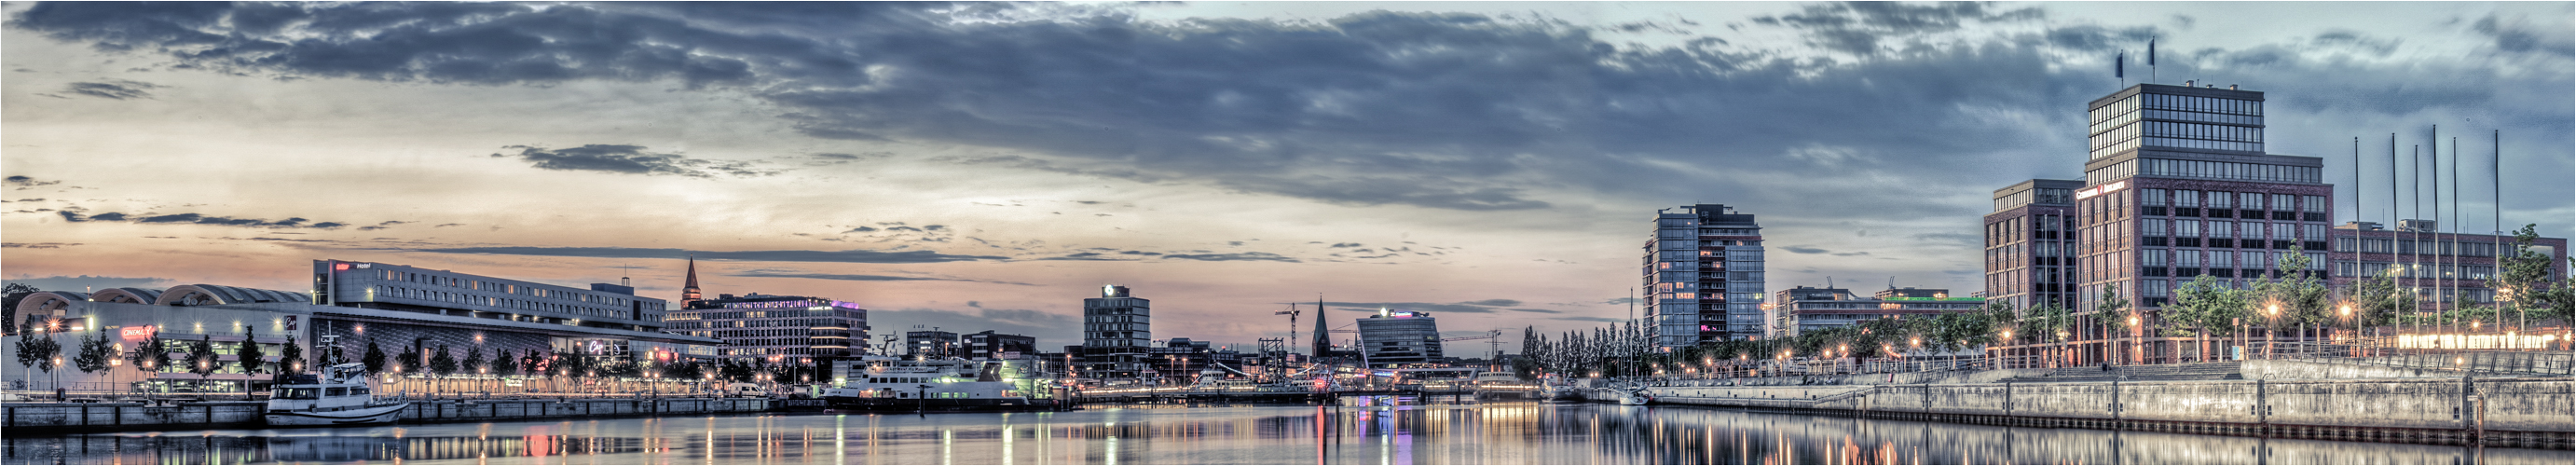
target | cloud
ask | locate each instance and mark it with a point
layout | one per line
(1804, 250)
(853, 256)
(382, 225)
(1241, 256)
(613, 158)
(858, 278)
(23, 181)
(113, 89)
(1487, 306)
(1430, 110)
(71, 215)
(38, 245)
(1858, 27)
(77, 283)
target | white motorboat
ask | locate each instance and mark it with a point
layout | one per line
(338, 396)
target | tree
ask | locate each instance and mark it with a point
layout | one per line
(40, 352)
(15, 292)
(2522, 282)
(503, 364)
(201, 357)
(473, 362)
(2302, 298)
(2047, 323)
(290, 358)
(2207, 307)
(443, 362)
(253, 361)
(95, 352)
(150, 356)
(2109, 310)
(374, 359)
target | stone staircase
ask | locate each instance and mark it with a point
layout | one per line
(2195, 371)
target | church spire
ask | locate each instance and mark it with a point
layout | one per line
(689, 293)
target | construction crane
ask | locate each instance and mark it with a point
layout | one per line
(1496, 338)
(1292, 313)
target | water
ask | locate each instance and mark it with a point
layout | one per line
(1506, 433)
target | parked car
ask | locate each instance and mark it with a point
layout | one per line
(746, 390)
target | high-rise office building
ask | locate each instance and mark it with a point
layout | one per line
(932, 344)
(2029, 247)
(1396, 339)
(1703, 276)
(1117, 328)
(2176, 185)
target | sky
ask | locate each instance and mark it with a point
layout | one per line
(987, 166)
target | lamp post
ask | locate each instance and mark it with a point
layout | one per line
(2271, 323)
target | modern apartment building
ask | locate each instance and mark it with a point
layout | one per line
(1703, 275)
(2029, 244)
(1803, 309)
(1397, 339)
(1117, 329)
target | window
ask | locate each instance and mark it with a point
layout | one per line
(2221, 200)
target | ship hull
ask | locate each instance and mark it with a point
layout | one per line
(944, 405)
(367, 415)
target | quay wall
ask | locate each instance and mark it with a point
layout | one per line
(2525, 409)
(99, 417)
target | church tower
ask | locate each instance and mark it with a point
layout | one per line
(689, 295)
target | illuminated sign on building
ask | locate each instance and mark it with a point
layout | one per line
(136, 333)
(2100, 190)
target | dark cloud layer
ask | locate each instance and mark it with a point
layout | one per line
(853, 277)
(74, 215)
(853, 256)
(613, 158)
(112, 89)
(76, 283)
(1449, 111)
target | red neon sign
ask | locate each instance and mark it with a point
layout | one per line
(135, 333)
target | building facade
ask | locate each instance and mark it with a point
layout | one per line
(2029, 247)
(2177, 184)
(758, 325)
(989, 345)
(1400, 339)
(355, 307)
(1703, 270)
(1803, 309)
(932, 344)
(2446, 270)
(1117, 329)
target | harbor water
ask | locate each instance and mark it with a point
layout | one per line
(1496, 433)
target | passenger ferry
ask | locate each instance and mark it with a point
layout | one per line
(339, 396)
(938, 385)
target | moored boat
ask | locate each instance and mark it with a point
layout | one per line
(337, 396)
(945, 386)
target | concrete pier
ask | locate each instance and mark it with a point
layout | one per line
(2520, 411)
(109, 417)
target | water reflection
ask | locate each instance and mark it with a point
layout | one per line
(1513, 433)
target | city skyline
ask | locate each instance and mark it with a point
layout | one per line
(989, 166)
